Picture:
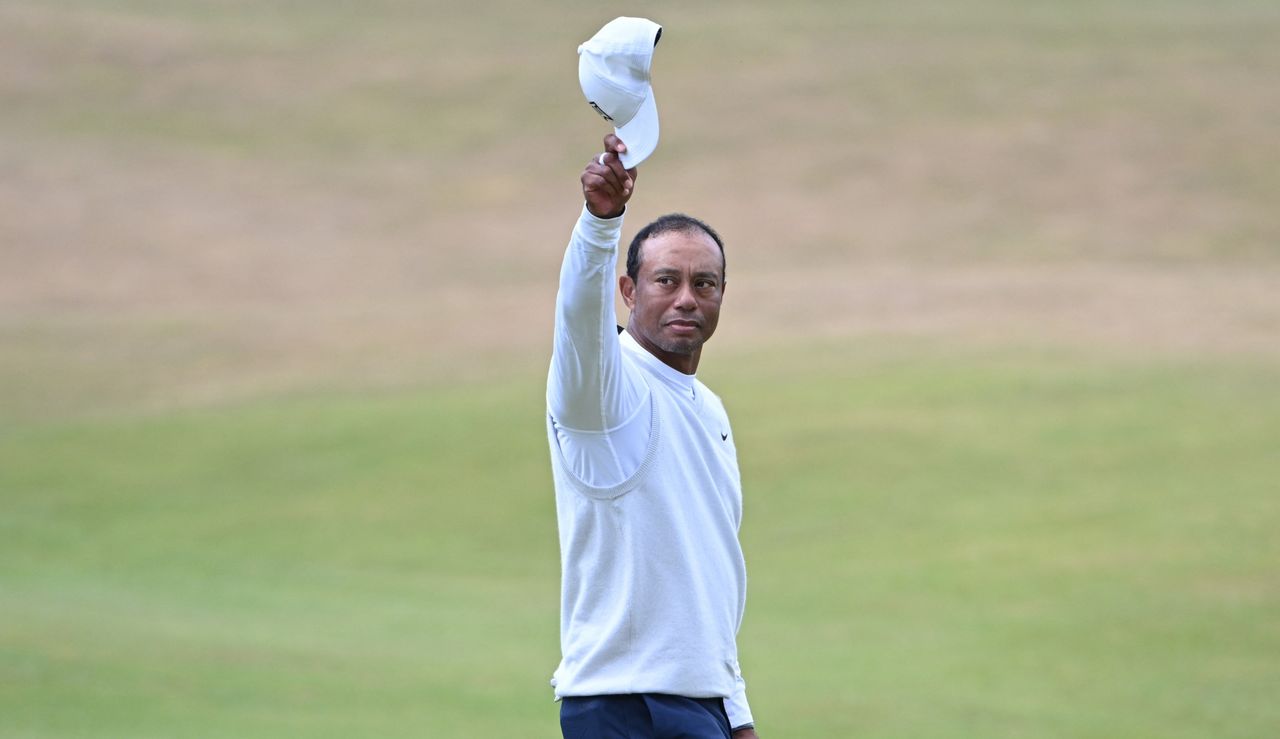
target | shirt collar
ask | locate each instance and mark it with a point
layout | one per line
(668, 374)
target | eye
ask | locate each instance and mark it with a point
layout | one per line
(664, 280)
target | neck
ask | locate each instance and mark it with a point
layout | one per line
(685, 363)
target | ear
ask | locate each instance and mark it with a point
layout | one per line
(627, 287)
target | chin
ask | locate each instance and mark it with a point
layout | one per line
(682, 346)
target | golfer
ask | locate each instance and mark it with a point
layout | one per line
(648, 495)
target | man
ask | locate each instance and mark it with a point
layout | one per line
(648, 495)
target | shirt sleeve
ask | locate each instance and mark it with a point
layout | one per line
(736, 705)
(588, 389)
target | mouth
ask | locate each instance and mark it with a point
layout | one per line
(684, 326)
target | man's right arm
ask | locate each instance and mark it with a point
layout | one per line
(586, 390)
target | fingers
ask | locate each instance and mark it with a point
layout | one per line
(609, 167)
(614, 144)
(606, 193)
(606, 184)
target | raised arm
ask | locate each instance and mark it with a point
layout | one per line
(586, 389)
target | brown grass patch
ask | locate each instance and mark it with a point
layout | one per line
(252, 198)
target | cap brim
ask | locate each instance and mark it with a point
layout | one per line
(640, 134)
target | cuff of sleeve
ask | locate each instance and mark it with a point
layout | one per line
(737, 708)
(601, 233)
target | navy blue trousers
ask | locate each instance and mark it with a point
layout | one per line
(643, 716)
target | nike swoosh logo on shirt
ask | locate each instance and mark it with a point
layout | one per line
(724, 437)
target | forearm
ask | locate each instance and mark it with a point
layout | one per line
(584, 391)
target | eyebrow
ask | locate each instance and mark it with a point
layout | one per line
(674, 271)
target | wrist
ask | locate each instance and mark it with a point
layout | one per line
(606, 217)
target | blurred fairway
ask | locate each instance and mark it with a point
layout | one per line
(990, 547)
(1001, 347)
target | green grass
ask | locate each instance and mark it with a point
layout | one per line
(269, 214)
(1014, 548)
(940, 545)
(302, 567)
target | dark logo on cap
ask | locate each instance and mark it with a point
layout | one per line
(603, 114)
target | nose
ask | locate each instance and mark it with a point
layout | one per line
(685, 300)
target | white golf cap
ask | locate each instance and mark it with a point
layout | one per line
(613, 68)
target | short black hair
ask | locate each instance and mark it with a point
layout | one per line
(671, 222)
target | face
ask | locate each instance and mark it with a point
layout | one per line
(675, 299)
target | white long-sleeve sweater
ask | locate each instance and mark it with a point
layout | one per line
(648, 499)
